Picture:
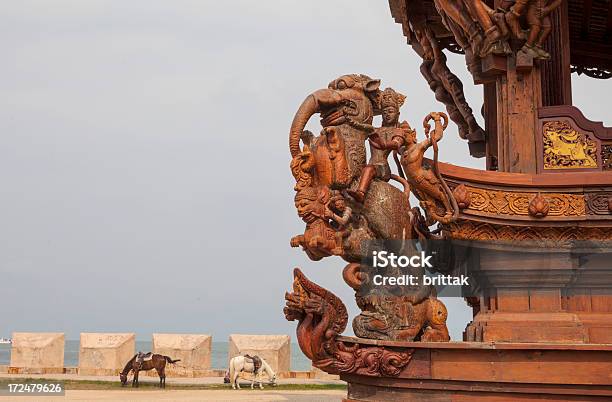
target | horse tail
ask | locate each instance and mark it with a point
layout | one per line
(169, 360)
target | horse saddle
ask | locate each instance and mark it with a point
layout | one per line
(141, 357)
(256, 360)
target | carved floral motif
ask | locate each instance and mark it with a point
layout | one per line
(566, 148)
(517, 203)
(598, 203)
(536, 236)
(373, 361)
(463, 196)
(538, 206)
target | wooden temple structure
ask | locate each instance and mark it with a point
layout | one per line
(542, 315)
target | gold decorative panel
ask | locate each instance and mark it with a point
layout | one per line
(566, 148)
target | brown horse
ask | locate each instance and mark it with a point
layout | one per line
(144, 362)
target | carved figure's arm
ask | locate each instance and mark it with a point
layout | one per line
(403, 133)
(439, 127)
(379, 143)
(297, 241)
(440, 123)
(340, 220)
(422, 146)
(346, 216)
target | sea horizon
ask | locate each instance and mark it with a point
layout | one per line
(218, 355)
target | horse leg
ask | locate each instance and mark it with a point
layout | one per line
(163, 376)
(257, 378)
(235, 379)
(231, 374)
(159, 373)
(234, 375)
(253, 380)
(135, 383)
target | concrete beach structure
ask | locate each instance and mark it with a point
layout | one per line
(37, 353)
(274, 349)
(105, 353)
(194, 350)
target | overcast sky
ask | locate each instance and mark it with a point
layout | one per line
(144, 170)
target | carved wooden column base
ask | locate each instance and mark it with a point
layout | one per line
(526, 327)
(545, 317)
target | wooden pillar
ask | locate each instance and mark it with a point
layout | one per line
(518, 96)
(556, 72)
(490, 116)
(512, 102)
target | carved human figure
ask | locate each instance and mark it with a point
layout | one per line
(338, 211)
(447, 88)
(389, 137)
(537, 13)
(319, 239)
(495, 30)
(302, 167)
(484, 38)
(339, 215)
(425, 182)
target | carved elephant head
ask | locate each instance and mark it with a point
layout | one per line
(347, 107)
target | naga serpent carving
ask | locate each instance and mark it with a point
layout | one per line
(348, 202)
(321, 317)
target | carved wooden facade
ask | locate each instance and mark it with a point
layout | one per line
(540, 215)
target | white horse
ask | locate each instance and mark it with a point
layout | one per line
(241, 363)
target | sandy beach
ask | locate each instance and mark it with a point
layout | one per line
(147, 393)
(186, 395)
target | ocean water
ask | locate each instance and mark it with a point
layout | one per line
(218, 358)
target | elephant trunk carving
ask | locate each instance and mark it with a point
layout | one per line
(311, 105)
